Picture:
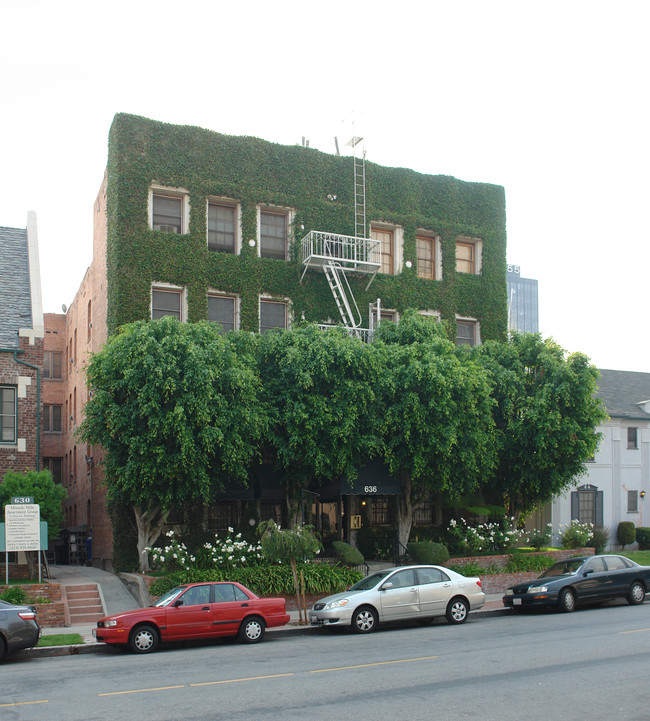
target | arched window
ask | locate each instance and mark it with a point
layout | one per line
(587, 505)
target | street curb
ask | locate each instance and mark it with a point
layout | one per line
(79, 649)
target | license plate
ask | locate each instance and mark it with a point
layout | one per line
(516, 602)
(314, 620)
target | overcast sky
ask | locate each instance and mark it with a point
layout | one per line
(548, 99)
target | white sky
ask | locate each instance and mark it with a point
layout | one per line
(548, 99)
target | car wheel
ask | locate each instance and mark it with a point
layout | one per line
(143, 639)
(567, 601)
(252, 630)
(636, 594)
(364, 620)
(457, 610)
(2, 648)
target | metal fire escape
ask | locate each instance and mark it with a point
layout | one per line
(340, 256)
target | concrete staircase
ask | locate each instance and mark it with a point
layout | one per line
(84, 604)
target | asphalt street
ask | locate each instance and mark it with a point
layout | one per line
(591, 664)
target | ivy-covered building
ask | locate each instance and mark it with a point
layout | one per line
(200, 225)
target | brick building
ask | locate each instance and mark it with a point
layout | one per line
(21, 349)
(200, 225)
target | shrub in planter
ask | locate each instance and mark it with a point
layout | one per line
(626, 533)
(643, 538)
(428, 552)
(348, 554)
(599, 539)
(14, 594)
(576, 534)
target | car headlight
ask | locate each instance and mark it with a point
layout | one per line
(336, 604)
(509, 592)
(111, 622)
(538, 589)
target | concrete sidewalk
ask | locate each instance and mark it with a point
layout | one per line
(117, 598)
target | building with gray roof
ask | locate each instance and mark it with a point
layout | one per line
(21, 348)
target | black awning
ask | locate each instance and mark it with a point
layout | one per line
(373, 479)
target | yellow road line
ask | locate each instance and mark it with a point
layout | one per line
(20, 703)
(140, 690)
(379, 663)
(238, 680)
(637, 630)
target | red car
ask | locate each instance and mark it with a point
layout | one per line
(198, 610)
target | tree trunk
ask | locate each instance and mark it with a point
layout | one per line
(294, 571)
(404, 514)
(149, 522)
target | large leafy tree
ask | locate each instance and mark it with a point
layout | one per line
(546, 417)
(436, 414)
(320, 389)
(176, 410)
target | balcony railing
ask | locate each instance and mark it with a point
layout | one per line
(360, 255)
(365, 334)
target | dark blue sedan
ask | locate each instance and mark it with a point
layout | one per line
(18, 627)
(581, 581)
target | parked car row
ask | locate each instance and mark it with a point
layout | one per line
(419, 593)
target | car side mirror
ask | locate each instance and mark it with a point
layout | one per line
(387, 585)
(588, 571)
(178, 603)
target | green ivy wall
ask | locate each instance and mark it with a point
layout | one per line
(253, 171)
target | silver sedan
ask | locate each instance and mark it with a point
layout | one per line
(401, 593)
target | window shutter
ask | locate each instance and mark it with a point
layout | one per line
(575, 506)
(599, 508)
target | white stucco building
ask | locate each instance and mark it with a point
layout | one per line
(616, 483)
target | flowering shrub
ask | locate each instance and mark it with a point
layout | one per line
(576, 534)
(540, 538)
(173, 557)
(232, 551)
(484, 537)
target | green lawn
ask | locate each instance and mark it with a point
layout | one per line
(60, 639)
(642, 557)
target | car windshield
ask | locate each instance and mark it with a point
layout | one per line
(563, 568)
(370, 581)
(170, 596)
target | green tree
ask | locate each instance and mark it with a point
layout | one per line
(47, 494)
(39, 485)
(289, 546)
(319, 388)
(176, 410)
(546, 415)
(434, 414)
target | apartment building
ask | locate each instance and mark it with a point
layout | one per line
(253, 235)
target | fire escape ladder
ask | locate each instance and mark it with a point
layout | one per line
(360, 194)
(345, 302)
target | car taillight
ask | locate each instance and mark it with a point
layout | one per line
(478, 583)
(27, 615)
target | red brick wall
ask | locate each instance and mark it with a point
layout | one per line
(48, 615)
(11, 458)
(502, 560)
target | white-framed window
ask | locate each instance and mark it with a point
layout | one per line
(8, 415)
(428, 256)
(392, 242)
(632, 501)
(469, 252)
(274, 224)
(467, 331)
(435, 314)
(273, 314)
(223, 225)
(388, 315)
(223, 310)
(632, 437)
(167, 300)
(52, 364)
(169, 209)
